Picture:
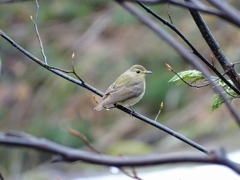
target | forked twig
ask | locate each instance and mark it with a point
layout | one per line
(195, 51)
(160, 32)
(96, 91)
(90, 146)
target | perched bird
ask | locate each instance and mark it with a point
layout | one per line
(127, 90)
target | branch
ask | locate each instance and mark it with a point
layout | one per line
(160, 32)
(90, 146)
(52, 69)
(1, 176)
(191, 5)
(230, 12)
(227, 66)
(60, 73)
(12, 1)
(195, 51)
(67, 154)
(224, 10)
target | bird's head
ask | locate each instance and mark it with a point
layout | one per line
(139, 71)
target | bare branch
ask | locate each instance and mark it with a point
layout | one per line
(180, 49)
(57, 71)
(191, 5)
(232, 17)
(229, 11)
(12, 1)
(90, 146)
(195, 51)
(1, 176)
(96, 91)
(68, 154)
(216, 49)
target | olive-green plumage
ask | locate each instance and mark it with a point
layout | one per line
(127, 90)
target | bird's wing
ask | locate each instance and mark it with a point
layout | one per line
(115, 94)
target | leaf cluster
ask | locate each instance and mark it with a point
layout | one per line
(191, 77)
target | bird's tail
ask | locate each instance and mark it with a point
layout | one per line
(98, 107)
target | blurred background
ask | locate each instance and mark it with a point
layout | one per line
(106, 41)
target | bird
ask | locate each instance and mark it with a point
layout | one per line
(127, 90)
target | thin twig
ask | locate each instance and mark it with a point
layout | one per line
(57, 71)
(236, 63)
(11, 1)
(180, 49)
(168, 13)
(195, 6)
(134, 176)
(190, 85)
(212, 58)
(84, 139)
(38, 35)
(73, 69)
(96, 91)
(228, 10)
(220, 12)
(67, 71)
(90, 146)
(195, 51)
(226, 91)
(215, 48)
(160, 109)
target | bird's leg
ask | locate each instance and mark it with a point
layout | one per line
(132, 111)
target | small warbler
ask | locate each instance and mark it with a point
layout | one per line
(127, 90)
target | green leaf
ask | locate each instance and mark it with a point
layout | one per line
(230, 94)
(190, 76)
(217, 102)
(193, 76)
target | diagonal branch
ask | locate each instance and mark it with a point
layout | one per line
(191, 5)
(224, 10)
(228, 10)
(160, 32)
(96, 91)
(227, 66)
(195, 51)
(52, 69)
(1, 176)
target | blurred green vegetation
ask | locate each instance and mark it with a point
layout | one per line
(106, 41)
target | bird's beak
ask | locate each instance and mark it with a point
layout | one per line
(148, 72)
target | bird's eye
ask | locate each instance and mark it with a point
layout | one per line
(137, 71)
